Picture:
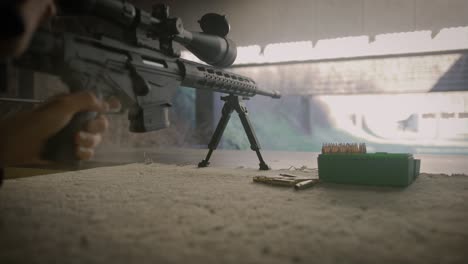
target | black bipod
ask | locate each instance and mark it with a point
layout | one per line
(233, 102)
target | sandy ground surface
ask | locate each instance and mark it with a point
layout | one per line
(154, 213)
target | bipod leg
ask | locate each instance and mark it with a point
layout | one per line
(214, 142)
(254, 144)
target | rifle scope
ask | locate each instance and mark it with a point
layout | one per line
(210, 46)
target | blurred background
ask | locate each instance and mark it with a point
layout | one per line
(390, 73)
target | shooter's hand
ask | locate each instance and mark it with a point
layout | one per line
(23, 136)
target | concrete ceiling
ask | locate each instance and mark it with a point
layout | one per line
(272, 21)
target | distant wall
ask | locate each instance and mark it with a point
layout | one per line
(421, 73)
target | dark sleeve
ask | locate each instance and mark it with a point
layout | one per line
(11, 23)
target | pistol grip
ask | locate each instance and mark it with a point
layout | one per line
(62, 147)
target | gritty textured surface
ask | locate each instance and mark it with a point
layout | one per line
(179, 214)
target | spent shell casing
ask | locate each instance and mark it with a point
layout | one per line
(278, 180)
(305, 184)
(288, 175)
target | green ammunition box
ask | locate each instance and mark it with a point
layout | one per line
(378, 169)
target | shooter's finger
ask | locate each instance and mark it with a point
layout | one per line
(114, 104)
(85, 101)
(85, 153)
(88, 140)
(98, 125)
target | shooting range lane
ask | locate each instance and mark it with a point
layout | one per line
(435, 164)
(157, 213)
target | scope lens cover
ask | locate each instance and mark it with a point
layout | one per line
(215, 24)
